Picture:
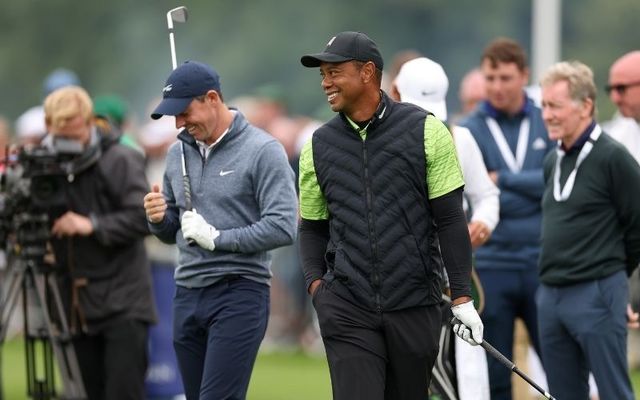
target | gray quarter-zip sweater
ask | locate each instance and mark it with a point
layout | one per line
(244, 188)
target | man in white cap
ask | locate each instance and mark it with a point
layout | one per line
(423, 82)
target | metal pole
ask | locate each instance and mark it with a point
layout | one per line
(546, 36)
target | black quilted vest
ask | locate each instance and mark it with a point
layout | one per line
(381, 248)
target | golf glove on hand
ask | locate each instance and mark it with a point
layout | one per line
(468, 325)
(194, 227)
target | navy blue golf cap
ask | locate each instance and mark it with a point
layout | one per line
(189, 80)
(346, 46)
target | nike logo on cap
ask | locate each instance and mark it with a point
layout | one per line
(223, 172)
(167, 88)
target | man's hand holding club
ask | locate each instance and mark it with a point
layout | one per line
(195, 228)
(467, 323)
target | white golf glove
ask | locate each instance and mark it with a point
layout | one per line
(468, 325)
(194, 227)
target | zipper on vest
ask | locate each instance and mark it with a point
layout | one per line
(375, 276)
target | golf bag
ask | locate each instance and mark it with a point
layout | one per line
(444, 382)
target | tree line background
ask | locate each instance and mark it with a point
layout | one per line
(121, 46)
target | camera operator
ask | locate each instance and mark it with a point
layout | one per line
(97, 240)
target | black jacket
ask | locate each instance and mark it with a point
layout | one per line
(112, 261)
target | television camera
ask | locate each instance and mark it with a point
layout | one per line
(32, 193)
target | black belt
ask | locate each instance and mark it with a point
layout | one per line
(230, 278)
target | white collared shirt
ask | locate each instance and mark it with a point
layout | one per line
(204, 149)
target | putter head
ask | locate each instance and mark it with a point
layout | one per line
(178, 14)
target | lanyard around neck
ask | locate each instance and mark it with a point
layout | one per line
(514, 163)
(560, 193)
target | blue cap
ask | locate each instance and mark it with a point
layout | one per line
(189, 80)
(59, 78)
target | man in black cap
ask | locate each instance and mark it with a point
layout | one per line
(243, 190)
(378, 183)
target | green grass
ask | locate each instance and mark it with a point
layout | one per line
(14, 385)
(14, 369)
(635, 380)
(277, 376)
(290, 376)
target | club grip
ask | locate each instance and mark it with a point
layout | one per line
(187, 192)
(490, 349)
(499, 356)
(187, 201)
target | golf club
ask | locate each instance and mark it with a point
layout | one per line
(179, 14)
(507, 363)
(186, 182)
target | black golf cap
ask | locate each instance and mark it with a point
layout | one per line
(188, 81)
(346, 46)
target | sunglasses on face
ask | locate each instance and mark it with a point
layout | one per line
(620, 88)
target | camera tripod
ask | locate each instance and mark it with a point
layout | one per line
(45, 338)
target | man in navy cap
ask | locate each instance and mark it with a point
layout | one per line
(378, 183)
(243, 190)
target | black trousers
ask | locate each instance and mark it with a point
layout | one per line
(377, 356)
(113, 363)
